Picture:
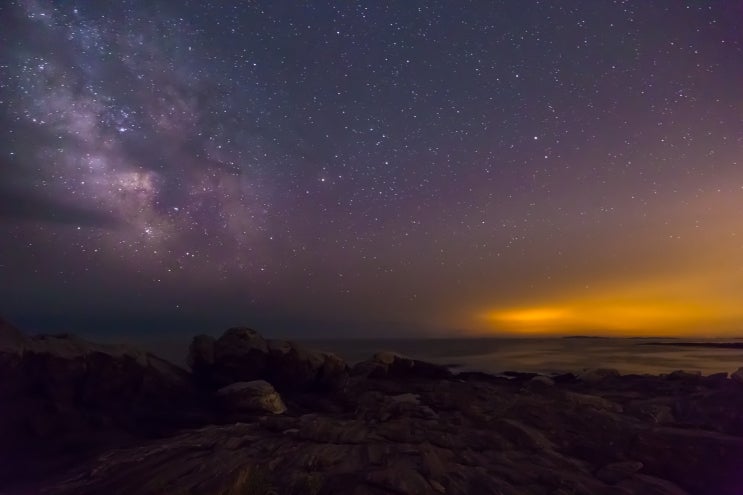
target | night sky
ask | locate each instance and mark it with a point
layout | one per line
(372, 168)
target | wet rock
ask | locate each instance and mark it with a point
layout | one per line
(254, 396)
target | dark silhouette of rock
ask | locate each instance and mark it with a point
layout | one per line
(597, 375)
(684, 375)
(242, 354)
(62, 395)
(201, 354)
(737, 377)
(399, 426)
(393, 365)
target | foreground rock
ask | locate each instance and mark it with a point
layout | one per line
(396, 426)
(455, 435)
(61, 396)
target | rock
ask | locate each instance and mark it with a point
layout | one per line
(651, 411)
(369, 369)
(392, 365)
(648, 485)
(617, 471)
(67, 368)
(201, 354)
(718, 410)
(437, 487)
(400, 479)
(242, 354)
(698, 461)
(253, 396)
(334, 372)
(684, 375)
(293, 367)
(737, 376)
(540, 382)
(593, 401)
(522, 436)
(597, 375)
(564, 378)
(62, 397)
(11, 339)
(12, 346)
(716, 380)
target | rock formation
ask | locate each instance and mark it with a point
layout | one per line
(62, 393)
(395, 425)
(242, 354)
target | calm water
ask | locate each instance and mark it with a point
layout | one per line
(536, 355)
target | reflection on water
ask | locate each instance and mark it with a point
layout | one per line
(549, 355)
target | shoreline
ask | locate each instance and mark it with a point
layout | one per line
(254, 415)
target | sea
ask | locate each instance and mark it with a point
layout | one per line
(547, 356)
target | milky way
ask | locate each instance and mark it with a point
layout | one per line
(372, 168)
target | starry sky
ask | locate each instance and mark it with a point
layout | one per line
(372, 168)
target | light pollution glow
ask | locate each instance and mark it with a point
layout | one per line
(669, 307)
(671, 288)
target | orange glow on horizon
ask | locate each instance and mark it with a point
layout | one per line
(668, 307)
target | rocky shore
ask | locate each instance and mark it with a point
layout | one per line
(255, 416)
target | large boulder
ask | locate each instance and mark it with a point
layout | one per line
(63, 392)
(256, 396)
(242, 354)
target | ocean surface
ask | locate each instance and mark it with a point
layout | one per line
(495, 355)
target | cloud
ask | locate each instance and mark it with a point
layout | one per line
(29, 206)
